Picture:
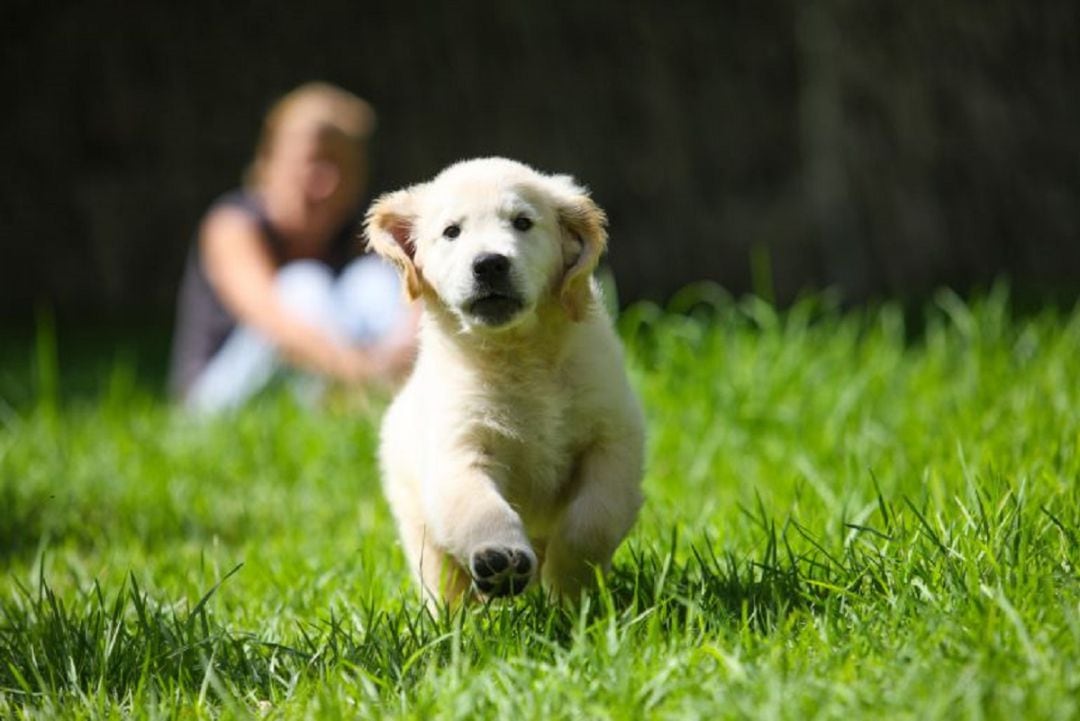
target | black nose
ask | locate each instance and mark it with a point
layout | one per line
(489, 267)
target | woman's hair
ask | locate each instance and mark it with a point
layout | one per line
(336, 117)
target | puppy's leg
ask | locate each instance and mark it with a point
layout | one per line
(471, 520)
(597, 517)
(441, 578)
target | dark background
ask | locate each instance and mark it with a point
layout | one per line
(884, 148)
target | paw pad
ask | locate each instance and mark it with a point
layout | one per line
(501, 571)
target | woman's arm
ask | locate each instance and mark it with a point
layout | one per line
(241, 270)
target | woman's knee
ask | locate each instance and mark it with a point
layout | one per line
(370, 295)
(306, 287)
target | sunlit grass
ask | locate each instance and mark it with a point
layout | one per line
(848, 517)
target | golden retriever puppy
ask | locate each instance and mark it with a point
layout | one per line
(514, 451)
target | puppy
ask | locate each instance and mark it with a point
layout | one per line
(514, 451)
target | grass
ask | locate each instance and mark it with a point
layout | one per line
(846, 518)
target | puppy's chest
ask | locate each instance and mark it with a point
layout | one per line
(527, 435)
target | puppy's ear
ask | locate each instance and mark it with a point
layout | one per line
(583, 220)
(389, 227)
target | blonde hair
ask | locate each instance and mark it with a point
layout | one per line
(333, 113)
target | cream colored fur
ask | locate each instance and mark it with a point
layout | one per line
(518, 439)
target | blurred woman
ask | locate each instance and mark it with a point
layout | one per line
(272, 280)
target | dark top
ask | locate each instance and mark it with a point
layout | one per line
(202, 322)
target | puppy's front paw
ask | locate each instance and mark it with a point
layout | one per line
(502, 571)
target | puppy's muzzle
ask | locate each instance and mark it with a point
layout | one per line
(495, 300)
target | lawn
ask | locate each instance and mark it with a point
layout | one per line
(850, 514)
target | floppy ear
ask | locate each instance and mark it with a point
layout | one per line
(389, 226)
(583, 219)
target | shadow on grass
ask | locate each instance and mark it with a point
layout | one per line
(53, 648)
(702, 587)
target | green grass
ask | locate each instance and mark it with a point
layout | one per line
(846, 518)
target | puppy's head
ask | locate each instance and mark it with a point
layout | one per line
(491, 240)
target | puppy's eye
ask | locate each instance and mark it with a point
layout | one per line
(522, 223)
(451, 231)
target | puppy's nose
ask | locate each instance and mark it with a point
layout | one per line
(488, 267)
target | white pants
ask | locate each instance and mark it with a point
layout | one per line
(359, 307)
